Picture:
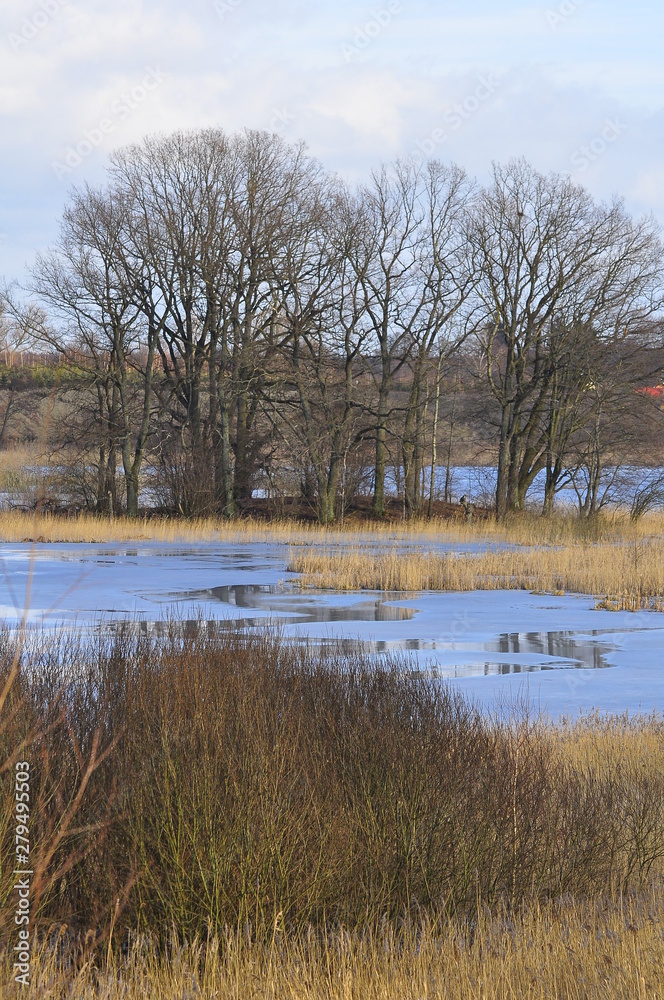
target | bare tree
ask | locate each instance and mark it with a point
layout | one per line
(176, 189)
(99, 289)
(547, 258)
(414, 280)
(224, 305)
(446, 284)
(216, 214)
(327, 326)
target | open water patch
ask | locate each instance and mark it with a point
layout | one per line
(515, 653)
(281, 606)
(508, 652)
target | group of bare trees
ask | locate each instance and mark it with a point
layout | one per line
(234, 317)
(569, 284)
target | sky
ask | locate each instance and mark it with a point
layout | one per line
(575, 86)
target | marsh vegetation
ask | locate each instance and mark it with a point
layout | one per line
(218, 807)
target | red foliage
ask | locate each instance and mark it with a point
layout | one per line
(655, 391)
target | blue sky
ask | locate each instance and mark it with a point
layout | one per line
(576, 87)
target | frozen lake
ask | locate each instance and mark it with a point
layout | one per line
(498, 646)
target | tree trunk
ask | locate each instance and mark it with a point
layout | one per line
(504, 453)
(378, 506)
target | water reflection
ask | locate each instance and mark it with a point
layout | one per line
(294, 608)
(554, 650)
(513, 652)
(563, 645)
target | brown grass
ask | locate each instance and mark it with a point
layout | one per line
(526, 530)
(567, 951)
(627, 574)
(15, 459)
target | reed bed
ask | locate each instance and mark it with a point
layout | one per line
(526, 529)
(595, 741)
(18, 526)
(569, 951)
(626, 575)
(618, 562)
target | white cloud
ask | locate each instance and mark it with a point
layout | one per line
(264, 65)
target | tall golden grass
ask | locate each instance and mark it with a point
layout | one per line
(17, 458)
(525, 529)
(622, 575)
(618, 562)
(567, 951)
(528, 530)
(19, 526)
(599, 743)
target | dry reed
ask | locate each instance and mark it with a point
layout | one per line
(568, 951)
(628, 575)
(526, 530)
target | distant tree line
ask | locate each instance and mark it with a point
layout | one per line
(234, 318)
